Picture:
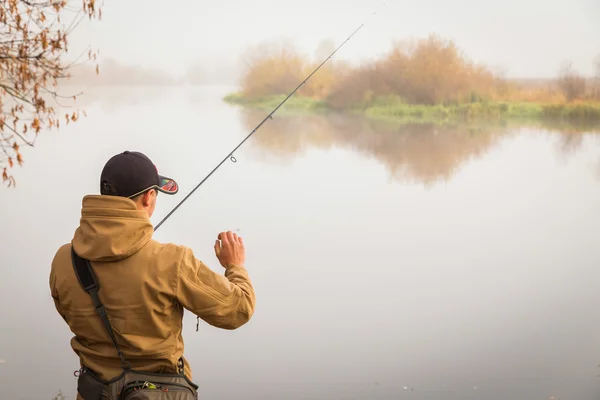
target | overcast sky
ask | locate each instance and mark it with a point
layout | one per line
(523, 37)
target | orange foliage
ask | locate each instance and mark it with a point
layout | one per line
(431, 70)
(272, 72)
(428, 71)
(278, 69)
(33, 42)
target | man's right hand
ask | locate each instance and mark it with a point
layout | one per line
(229, 249)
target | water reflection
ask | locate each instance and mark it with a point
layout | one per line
(570, 143)
(425, 153)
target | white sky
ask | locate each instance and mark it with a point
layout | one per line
(524, 37)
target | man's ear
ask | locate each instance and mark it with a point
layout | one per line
(147, 199)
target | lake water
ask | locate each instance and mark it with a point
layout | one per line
(415, 263)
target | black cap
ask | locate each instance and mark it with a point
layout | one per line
(131, 173)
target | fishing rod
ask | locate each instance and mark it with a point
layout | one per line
(269, 116)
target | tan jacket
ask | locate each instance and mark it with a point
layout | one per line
(145, 286)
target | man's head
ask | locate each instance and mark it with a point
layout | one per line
(133, 175)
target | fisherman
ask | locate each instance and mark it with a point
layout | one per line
(144, 285)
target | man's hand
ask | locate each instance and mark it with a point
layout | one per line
(230, 249)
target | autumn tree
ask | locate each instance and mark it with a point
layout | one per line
(33, 45)
(426, 71)
(320, 83)
(571, 83)
(271, 69)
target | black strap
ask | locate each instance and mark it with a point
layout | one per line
(87, 279)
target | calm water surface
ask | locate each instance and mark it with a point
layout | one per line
(414, 263)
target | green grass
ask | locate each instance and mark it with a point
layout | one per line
(466, 112)
(585, 112)
(392, 108)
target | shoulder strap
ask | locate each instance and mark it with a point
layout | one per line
(89, 283)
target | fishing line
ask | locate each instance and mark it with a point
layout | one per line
(269, 116)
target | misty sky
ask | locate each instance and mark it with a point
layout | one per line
(524, 38)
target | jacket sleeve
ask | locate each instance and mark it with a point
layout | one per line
(54, 293)
(225, 301)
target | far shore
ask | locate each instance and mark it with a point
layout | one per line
(586, 113)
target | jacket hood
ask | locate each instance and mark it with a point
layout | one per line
(111, 228)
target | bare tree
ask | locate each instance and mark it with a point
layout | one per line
(324, 49)
(571, 83)
(597, 78)
(33, 43)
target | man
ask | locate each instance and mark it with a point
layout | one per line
(144, 284)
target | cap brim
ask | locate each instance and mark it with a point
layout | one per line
(167, 185)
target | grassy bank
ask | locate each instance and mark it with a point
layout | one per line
(392, 108)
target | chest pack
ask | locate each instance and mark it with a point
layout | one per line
(130, 384)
